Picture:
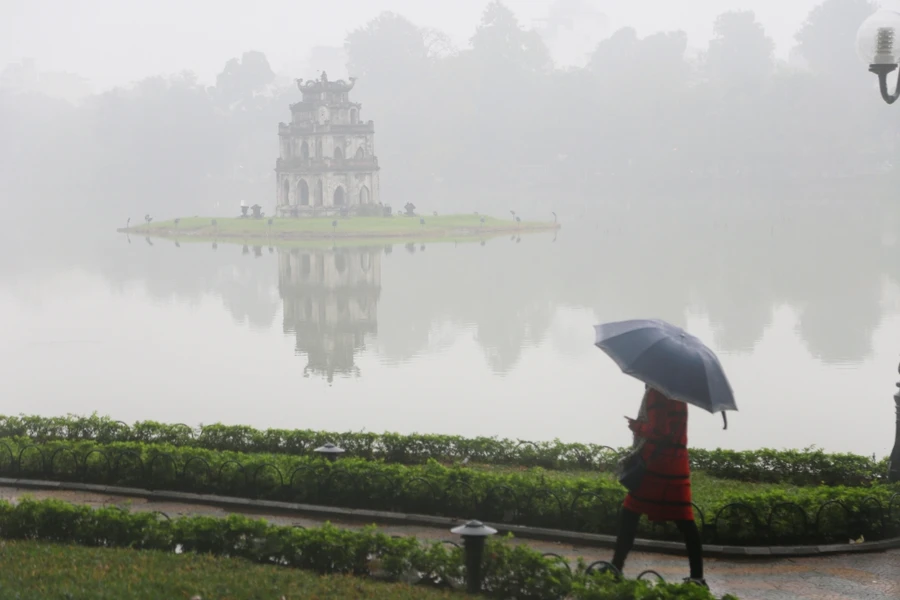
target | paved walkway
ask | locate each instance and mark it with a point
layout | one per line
(850, 577)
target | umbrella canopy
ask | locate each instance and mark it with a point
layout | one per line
(668, 359)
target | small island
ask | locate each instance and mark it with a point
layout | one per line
(327, 186)
(299, 229)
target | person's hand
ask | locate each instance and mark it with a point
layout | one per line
(632, 424)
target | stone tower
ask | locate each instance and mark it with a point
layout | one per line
(330, 304)
(327, 161)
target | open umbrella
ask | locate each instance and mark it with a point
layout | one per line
(670, 360)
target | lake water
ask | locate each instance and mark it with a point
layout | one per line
(470, 338)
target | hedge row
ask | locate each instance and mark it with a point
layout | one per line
(800, 515)
(797, 467)
(511, 571)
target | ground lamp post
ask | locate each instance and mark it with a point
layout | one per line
(474, 535)
(329, 451)
(877, 43)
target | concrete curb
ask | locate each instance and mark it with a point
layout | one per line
(393, 518)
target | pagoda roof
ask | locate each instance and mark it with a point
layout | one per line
(322, 84)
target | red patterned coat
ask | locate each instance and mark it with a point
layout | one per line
(665, 491)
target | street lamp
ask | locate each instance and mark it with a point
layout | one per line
(894, 469)
(878, 42)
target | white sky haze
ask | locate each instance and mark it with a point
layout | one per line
(114, 42)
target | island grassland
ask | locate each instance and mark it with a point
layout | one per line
(424, 228)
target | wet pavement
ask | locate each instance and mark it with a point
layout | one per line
(874, 576)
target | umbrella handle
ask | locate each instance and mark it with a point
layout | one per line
(725, 419)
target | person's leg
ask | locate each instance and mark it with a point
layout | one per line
(694, 547)
(628, 524)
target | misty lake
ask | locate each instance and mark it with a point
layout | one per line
(470, 338)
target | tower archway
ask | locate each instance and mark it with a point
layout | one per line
(286, 192)
(339, 196)
(303, 192)
(363, 195)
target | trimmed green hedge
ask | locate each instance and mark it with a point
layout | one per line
(511, 571)
(783, 516)
(797, 467)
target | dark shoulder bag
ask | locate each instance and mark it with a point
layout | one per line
(633, 467)
(632, 470)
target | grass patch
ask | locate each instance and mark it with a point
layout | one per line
(371, 243)
(370, 227)
(707, 490)
(43, 571)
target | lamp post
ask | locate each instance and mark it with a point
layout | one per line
(877, 42)
(894, 471)
(474, 535)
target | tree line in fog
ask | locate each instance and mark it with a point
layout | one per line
(476, 128)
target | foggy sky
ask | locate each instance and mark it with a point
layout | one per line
(115, 42)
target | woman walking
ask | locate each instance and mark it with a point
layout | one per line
(664, 491)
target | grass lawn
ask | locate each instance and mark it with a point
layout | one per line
(41, 571)
(362, 243)
(397, 226)
(706, 490)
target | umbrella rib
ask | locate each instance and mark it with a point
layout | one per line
(630, 331)
(709, 390)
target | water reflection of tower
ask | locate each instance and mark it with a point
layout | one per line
(330, 301)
